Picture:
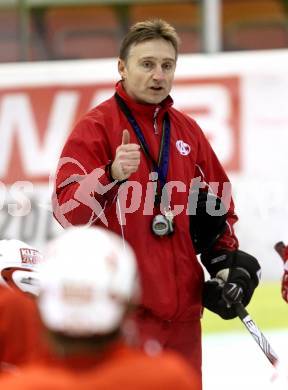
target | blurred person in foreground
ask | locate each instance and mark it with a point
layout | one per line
(135, 164)
(87, 286)
(20, 325)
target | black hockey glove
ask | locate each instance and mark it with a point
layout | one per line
(207, 220)
(212, 299)
(240, 275)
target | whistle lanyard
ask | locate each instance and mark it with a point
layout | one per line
(161, 167)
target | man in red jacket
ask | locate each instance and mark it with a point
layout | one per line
(134, 164)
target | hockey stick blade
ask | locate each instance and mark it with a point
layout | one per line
(256, 334)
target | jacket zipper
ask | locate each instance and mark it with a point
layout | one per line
(155, 124)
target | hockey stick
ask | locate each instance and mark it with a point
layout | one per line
(256, 334)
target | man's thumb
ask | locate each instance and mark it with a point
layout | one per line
(125, 137)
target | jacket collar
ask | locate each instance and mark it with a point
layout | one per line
(143, 109)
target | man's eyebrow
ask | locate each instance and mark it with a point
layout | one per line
(154, 58)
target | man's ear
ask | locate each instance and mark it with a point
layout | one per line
(121, 68)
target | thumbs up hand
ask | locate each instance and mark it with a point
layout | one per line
(127, 158)
(125, 137)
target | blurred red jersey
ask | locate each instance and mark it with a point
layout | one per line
(20, 330)
(120, 368)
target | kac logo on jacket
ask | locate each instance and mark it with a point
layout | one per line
(183, 148)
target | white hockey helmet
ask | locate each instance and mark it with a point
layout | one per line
(18, 263)
(86, 282)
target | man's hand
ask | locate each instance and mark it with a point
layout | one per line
(213, 299)
(127, 158)
(282, 250)
(239, 271)
(284, 286)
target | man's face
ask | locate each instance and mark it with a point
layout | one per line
(149, 71)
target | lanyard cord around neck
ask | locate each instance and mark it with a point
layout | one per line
(161, 167)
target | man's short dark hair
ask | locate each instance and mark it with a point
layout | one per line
(148, 30)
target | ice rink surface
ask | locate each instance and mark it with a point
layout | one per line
(234, 361)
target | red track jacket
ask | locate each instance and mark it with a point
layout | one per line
(171, 276)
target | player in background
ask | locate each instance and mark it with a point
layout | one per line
(282, 250)
(87, 286)
(131, 164)
(20, 325)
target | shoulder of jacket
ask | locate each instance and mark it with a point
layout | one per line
(185, 119)
(182, 116)
(99, 114)
(103, 108)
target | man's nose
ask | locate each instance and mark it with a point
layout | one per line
(158, 73)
